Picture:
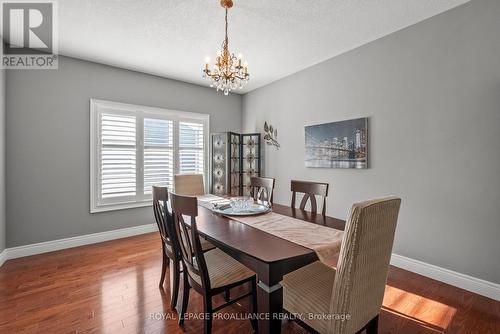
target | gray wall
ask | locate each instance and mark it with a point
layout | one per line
(48, 143)
(432, 92)
(2, 160)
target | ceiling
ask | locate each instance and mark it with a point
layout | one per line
(171, 38)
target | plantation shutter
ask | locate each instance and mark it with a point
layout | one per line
(158, 154)
(133, 148)
(117, 163)
(191, 145)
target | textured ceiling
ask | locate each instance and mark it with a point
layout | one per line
(171, 38)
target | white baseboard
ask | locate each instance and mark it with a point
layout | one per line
(469, 283)
(3, 257)
(476, 285)
(50, 246)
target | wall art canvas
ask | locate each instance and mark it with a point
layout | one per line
(341, 144)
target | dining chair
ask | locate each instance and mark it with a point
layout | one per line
(160, 198)
(356, 286)
(208, 273)
(310, 190)
(262, 189)
(189, 184)
(170, 251)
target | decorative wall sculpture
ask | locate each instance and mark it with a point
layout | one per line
(235, 158)
(271, 135)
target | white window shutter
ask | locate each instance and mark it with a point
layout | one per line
(135, 147)
(158, 154)
(117, 158)
(191, 147)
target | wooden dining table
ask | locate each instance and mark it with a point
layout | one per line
(269, 256)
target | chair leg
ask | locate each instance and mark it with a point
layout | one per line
(174, 284)
(372, 327)
(164, 265)
(253, 319)
(185, 298)
(207, 326)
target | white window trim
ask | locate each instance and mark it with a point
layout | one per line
(175, 115)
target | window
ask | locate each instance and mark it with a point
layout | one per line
(136, 147)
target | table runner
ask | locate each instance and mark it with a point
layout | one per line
(325, 241)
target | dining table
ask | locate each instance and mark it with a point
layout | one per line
(269, 256)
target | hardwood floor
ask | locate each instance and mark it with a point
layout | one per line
(112, 287)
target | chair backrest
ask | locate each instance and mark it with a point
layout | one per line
(262, 189)
(164, 220)
(188, 239)
(363, 263)
(189, 184)
(310, 190)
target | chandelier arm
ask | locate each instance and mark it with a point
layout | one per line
(216, 77)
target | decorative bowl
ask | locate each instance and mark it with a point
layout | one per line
(239, 204)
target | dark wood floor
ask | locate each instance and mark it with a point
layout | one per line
(112, 287)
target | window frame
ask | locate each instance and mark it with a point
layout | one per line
(98, 106)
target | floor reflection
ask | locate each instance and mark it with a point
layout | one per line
(426, 311)
(431, 315)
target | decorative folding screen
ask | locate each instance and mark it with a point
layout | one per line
(250, 151)
(235, 158)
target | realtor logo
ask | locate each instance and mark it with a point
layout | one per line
(29, 33)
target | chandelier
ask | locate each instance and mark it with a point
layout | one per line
(229, 72)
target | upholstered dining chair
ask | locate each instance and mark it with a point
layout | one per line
(189, 184)
(170, 251)
(355, 288)
(310, 190)
(262, 189)
(208, 273)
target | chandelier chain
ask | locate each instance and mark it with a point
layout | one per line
(227, 39)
